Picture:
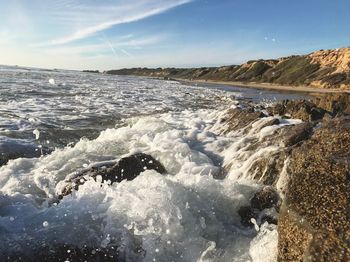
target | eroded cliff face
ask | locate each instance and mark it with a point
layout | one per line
(339, 59)
(323, 69)
(309, 168)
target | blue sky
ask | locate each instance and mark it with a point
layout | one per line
(106, 34)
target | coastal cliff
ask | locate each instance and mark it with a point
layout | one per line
(321, 69)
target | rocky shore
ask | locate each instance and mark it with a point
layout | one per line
(306, 184)
(308, 180)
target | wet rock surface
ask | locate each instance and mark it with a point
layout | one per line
(297, 133)
(299, 109)
(314, 219)
(15, 148)
(127, 168)
(240, 118)
(266, 198)
(321, 106)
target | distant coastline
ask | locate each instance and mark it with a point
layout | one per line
(324, 71)
(91, 71)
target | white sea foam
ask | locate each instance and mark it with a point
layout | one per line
(185, 215)
(187, 208)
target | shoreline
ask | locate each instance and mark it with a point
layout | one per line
(265, 86)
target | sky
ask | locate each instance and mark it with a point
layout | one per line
(112, 34)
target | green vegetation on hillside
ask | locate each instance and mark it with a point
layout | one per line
(292, 71)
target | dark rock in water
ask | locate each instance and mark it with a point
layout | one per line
(128, 168)
(16, 148)
(316, 217)
(269, 219)
(265, 198)
(246, 213)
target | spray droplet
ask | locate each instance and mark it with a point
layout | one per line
(36, 132)
(255, 224)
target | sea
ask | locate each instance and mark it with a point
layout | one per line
(54, 123)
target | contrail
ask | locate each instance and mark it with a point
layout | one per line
(110, 45)
(125, 52)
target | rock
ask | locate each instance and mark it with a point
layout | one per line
(329, 247)
(240, 118)
(265, 198)
(272, 122)
(269, 219)
(316, 114)
(334, 103)
(16, 148)
(299, 109)
(317, 210)
(323, 105)
(266, 170)
(297, 133)
(293, 238)
(246, 213)
(278, 109)
(128, 168)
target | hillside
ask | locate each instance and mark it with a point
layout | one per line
(323, 69)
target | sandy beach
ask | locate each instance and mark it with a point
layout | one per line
(268, 86)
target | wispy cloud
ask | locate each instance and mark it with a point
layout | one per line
(93, 19)
(114, 45)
